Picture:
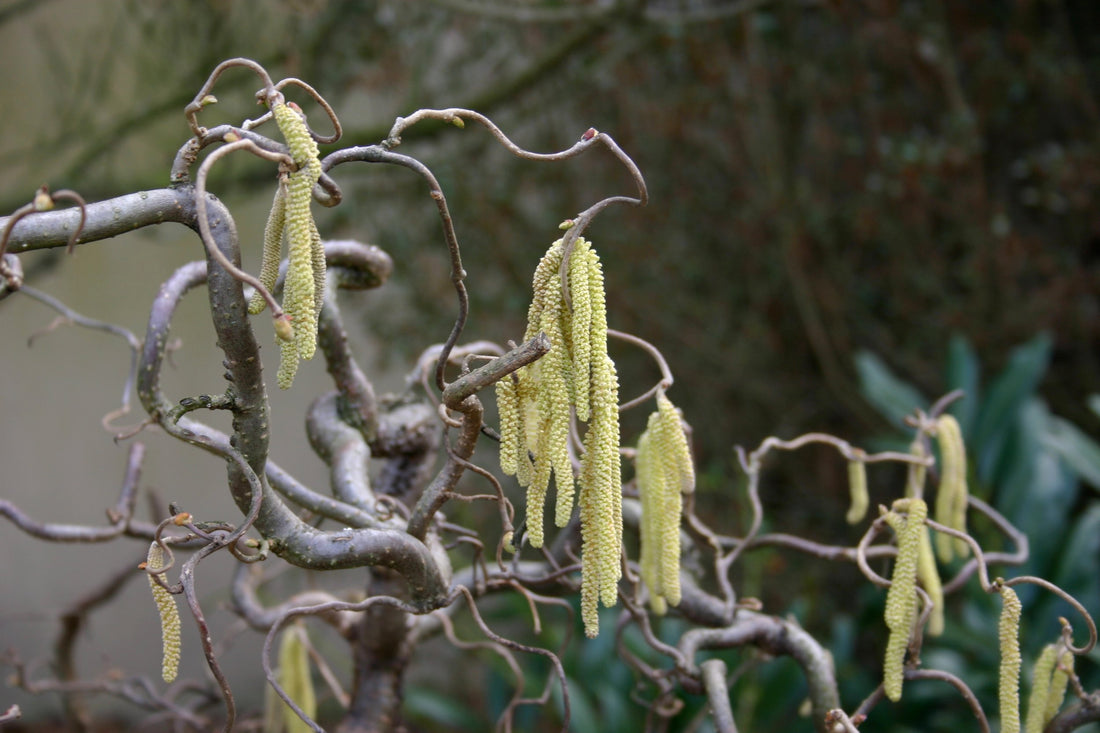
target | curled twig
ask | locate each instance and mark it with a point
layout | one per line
(1067, 630)
(666, 373)
(204, 223)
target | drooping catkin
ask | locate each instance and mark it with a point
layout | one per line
(580, 264)
(929, 576)
(303, 289)
(1059, 680)
(508, 408)
(1008, 686)
(294, 676)
(664, 473)
(907, 520)
(273, 248)
(601, 468)
(952, 495)
(857, 490)
(1040, 689)
(169, 617)
(576, 375)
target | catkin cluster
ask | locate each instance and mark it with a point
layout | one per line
(291, 217)
(169, 617)
(664, 472)
(952, 495)
(907, 520)
(535, 405)
(1048, 686)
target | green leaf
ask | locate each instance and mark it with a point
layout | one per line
(1007, 395)
(1035, 489)
(1080, 567)
(894, 398)
(583, 714)
(425, 704)
(963, 372)
(1077, 449)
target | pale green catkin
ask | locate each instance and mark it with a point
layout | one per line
(1040, 689)
(581, 321)
(169, 617)
(294, 676)
(665, 472)
(857, 491)
(929, 576)
(901, 598)
(508, 407)
(303, 289)
(952, 495)
(601, 469)
(1008, 686)
(649, 478)
(1059, 680)
(273, 248)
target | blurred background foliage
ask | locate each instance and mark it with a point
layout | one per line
(842, 191)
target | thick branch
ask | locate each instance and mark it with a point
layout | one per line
(775, 636)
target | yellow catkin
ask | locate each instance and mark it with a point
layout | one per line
(1059, 680)
(317, 258)
(1008, 686)
(952, 496)
(543, 283)
(929, 576)
(273, 248)
(303, 289)
(169, 617)
(299, 288)
(554, 398)
(581, 321)
(294, 676)
(674, 458)
(664, 473)
(648, 479)
(1040, 689)
(527, 425)
(601, 464)
(508, 407)
(857, 490)
(901, 598)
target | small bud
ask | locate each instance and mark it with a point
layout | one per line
(506, 542)
(181, 519)
(567, 224)
(231, 137)
(458, 122)
(208, 100)
(857, 489)
(589, 133)
(42, 199)
(283, 329)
